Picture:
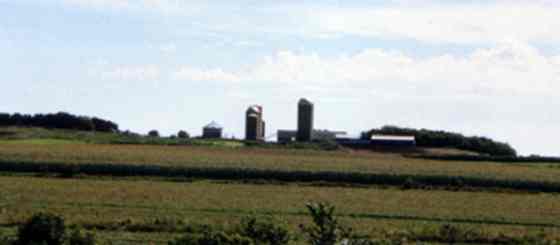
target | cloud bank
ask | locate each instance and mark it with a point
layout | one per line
(426, 21)
(511, 68)
(464, 23)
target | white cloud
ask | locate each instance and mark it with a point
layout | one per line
(509, 68)
(462, 23)
(426, 21)
(195, 74)
(163, 6)
(168, 48)
(130, 73)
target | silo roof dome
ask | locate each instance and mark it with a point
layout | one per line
(214, 125)
(305, 101)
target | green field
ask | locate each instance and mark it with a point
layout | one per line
(272, 159)
(118, 207)
(97, 202)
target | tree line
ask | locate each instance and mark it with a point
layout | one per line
(60, 120)
(438, 139)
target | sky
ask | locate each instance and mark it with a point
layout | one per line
(485, 68)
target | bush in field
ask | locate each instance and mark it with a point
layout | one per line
(153, 133)
(5, 241)
(42, 228)
(267, 231)
(79, 237)
(325, 229)
(49, 229)
(251, 230)
(211, 237)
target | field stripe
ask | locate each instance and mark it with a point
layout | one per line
(413, 181)
(375, 216)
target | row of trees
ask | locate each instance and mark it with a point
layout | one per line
(182, 134)
(433, 138)
(60, 120)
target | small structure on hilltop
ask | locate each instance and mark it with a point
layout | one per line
(212, 131)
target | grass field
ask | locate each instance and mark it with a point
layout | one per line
(272, 159)
(97, 202)
(120, 208)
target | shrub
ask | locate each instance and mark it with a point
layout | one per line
(79, 237)
(451, 234)
(265, 231)
(325, 229)
(5, 241)
(210, 237)
(42, 228)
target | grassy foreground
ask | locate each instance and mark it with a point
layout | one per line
(99, 203)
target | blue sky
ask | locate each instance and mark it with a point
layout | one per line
(489, 68)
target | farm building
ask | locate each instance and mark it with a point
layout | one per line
(285, 136)
(393, 140)
(378, 141)
(212, 131)
(323, 134)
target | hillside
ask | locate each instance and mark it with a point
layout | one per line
(138, 193)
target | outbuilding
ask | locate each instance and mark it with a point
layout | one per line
(212, 131)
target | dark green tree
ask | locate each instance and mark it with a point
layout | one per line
(183, 134)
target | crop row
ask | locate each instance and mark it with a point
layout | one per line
(410, 181)
(479, 158)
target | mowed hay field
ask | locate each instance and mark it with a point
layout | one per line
(273, 159)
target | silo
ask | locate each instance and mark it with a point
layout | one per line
(254, 124)
(305, 120)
